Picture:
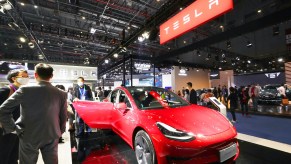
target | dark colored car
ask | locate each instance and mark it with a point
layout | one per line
(270, 94)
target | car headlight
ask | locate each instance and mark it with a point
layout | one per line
(174, 134)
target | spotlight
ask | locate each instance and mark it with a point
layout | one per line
(249, 61)
(141, 39)
(35, 7)
(249, 44)
(146, 35)
(259, 11)
(22, 39)
(22, 4)
(280, 60)
(31, 45)
(106, 61)
(83, 17)
(116, 55)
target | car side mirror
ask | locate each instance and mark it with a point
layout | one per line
(121, 106)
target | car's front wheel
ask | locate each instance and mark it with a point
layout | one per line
(144, 149)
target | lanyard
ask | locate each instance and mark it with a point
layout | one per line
(82, 93)
(13, 87)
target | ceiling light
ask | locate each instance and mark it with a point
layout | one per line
(237, 58)
(31, 45)
(182, 72)
(83, 17)
(35, 7)
(249, 44)
(106, 61)
(92, 30)
(219, 68)
(259, 11)
(185, 41)
(42, 25)
(22, 4)
(116, 55)
(280, 60)
(146, 35)
(22, 39)
(181, 8)
(128, 27)
(249, 62)
(141, 39)
(5, 44)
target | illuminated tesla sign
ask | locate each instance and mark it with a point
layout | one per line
(194, 15)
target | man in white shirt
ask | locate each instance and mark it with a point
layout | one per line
(282, 90)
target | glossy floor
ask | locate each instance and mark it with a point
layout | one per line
(106, 147)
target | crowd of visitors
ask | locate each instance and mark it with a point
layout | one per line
(244, 97)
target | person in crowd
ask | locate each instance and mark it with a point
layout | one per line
(215, 92)
(179, 93)
(82, 92)
(100, 92)
(224, 93)
(259, 87)
(42, 118)
(254, 95)
(236, 90)
(193, 94)
(71, 115)
(205, 99)
(219, 92)
(9, 143)
(282, 91)
(233, 102)
(187, 95)
(106, 92)
(183, 92)
(244, 99)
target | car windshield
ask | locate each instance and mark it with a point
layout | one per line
(271, 87)
(155, 98)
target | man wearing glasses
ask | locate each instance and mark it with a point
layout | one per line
(9, 143)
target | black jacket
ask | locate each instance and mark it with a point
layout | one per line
(193, 97)
(233, 100)
(88, 92)
(4, 94)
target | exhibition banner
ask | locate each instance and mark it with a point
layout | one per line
(199, 12)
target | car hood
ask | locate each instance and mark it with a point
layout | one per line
(196, 119)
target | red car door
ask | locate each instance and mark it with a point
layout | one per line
(95, 114)
(125, 118)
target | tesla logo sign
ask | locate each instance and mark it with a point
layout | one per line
(272, 75)
(194, 15)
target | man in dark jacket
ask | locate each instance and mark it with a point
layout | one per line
(42, 118)
(82, 92)
(193, 94)
(9, 143)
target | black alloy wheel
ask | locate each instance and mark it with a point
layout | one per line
(144, 149)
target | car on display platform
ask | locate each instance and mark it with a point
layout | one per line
(270, 95)
(162, 127)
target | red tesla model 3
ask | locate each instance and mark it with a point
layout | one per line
(162, 127)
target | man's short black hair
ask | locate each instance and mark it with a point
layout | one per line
(14, 73)
(190, 84)
(81, 78)
(44, 71)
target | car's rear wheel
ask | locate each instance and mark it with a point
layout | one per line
(144, 149)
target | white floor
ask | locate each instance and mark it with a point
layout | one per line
(264, 142)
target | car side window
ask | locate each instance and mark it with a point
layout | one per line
(113, 96)
(123, 98)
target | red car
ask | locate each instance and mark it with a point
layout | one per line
(162, 127)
